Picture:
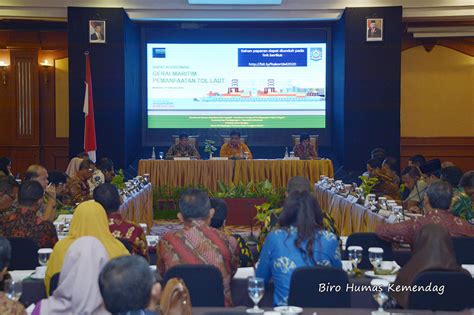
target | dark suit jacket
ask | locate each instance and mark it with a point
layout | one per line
(376, 33)
(94, 37)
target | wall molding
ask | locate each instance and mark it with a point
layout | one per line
(459, 150)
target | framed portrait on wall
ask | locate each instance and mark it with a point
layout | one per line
(97, 32)
(374, 29)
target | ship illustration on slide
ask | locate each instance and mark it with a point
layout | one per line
(268, 94)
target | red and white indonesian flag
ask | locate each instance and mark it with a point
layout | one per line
(90, 145)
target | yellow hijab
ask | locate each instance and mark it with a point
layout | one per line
(89, 219)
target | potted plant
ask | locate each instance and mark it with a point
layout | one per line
(209, 147)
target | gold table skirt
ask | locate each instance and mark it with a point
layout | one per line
(139, 207)
(207, 173)
(349, 217)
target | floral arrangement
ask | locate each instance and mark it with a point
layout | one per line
(119, 180)
(209, 146)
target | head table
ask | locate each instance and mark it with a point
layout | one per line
(207, 173)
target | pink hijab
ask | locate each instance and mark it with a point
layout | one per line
(78, 288)
(73, 166)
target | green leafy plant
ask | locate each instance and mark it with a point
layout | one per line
(368, 183)
(119, 180)
(209, 146)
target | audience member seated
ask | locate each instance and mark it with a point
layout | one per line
(437, 201)
(77, 186)
(218, 222)
(463, 199)
(197, 242)
(106, 167)
(128, 287)
(235, 148)
(432, 250)
(386, 185)
(89, 219)
(416, 160)
(182, 149)
(411, 178)
(296, 183)
(23, 221)
(300, 241)
(58, 180)
(305, 150)
(108, 196)
(7, 306)
(78, 288)
(40, 174)
(5, 167)
(8, 194)
(431, 171)
(389, 166)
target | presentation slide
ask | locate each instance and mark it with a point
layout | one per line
(236, 85)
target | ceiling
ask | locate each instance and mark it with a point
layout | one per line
(145, 10)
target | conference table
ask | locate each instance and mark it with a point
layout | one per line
(310, 311)
(350, 217)
(208, 173)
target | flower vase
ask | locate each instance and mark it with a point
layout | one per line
(210, 155)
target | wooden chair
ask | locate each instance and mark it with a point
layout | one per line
(193, 140)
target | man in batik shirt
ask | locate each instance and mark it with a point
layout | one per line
(77, 187)
(182, 149)
(197, 242)
(437, 201)
(463, 200)
(108, 196)
(305, 150)
(23, 221)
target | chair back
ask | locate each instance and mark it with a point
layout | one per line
(127, 244)
(24, 254)
(463, 246)
(367, 240)
(226, 138)
(193, 140)
(53, 283)
(457, 294)
(204, 283)
(308, 283)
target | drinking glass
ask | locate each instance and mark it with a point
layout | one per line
(355, 255)
(13, 289)
(376, 256)
(292, 154)
(381, 295)
(161, 154)
(383, 203)
(256, 289)
(43, 255)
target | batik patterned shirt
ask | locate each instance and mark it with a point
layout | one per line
(280, 257)
(23, 222)
(133, 233)
(198, 243)
(462, 206)
(78, 190)
(305, 152)
(404, 232)
(228, 150)
(179, 150)
(10, 307)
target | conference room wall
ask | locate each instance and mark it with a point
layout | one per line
(370, 85)
(114, 71)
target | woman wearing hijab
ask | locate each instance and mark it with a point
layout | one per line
(78, 288)
(5, 166)
(433, 249)
(89, 219)
(73, 166)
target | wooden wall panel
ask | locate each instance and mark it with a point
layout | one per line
(55, 157)
(21, 157)
(459, 150)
